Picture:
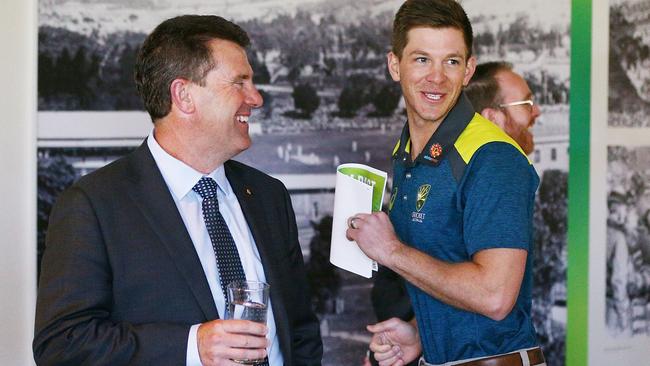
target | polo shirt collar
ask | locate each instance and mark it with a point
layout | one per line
(443, 139)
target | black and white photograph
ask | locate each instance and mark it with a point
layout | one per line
(629, 63)
(320, 66)
(627, 304)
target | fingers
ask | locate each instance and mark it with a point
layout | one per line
(244, 326)
(379, 348)
(357, 221)
(223, 340)
(384, 326)
(392, 357)
(246, 341)
(384, 349)
(246, 354)
(352, 225)
(221, 355)
(244, 334)
(349, 235)
(352, 222)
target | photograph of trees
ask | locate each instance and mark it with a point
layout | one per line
(328, 99)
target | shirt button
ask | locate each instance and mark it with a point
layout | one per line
(404, 158)
(404, 198)
(408, 175)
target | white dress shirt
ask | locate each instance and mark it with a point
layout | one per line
(180, 178)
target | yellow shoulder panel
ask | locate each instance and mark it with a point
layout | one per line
(479, 132)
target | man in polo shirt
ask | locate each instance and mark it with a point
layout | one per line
(460, 225)
(502, 96)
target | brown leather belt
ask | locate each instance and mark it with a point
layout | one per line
(535, 357)
(511, 359)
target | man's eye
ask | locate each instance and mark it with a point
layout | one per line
(421, 60)
(453, 62)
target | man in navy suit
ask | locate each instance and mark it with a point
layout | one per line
(129, 274)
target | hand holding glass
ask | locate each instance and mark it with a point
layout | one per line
(248, 300)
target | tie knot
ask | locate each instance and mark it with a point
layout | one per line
(206, 187)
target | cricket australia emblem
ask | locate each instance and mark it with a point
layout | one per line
(421, 199)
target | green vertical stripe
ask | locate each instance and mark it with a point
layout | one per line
(578, 232)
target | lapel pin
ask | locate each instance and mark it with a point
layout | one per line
(248, 192)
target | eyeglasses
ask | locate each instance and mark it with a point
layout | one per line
(520, 102)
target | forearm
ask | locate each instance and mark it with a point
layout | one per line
(487, 284)
(489, 289)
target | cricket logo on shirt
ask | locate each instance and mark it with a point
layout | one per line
(423, 194)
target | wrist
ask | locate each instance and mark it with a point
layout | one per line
(394, 254)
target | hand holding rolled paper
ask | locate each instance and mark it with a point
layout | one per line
(359, 189)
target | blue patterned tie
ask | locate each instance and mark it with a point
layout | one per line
(228, 262)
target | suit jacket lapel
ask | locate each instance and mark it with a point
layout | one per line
(258, 225)
(150, 193)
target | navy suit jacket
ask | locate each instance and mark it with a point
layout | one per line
(121, 283)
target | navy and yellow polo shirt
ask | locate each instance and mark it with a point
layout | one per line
(471, 188)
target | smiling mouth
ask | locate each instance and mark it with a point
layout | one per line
(433, 96)
(242, 119)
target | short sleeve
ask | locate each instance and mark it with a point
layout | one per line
(497, 194)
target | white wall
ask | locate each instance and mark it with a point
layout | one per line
(18, 183)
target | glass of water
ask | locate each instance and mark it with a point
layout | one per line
(248, 300)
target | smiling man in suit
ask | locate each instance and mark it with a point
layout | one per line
(132, 273)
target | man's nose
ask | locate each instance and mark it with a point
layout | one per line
(254, 98)
(436, 74)
(536, 111)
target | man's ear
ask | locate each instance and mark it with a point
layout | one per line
(496, 116)
(181, 96)
(469, 70)
(393, 65)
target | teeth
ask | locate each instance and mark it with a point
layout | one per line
(242, 119)
(433, 96)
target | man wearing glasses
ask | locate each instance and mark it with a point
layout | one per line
(503, 97)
